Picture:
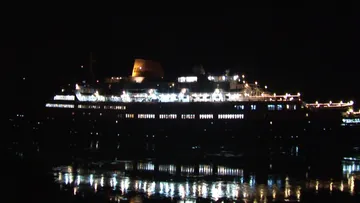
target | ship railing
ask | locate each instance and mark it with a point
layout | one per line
(329, 105)
(351, 112)
(204, 97)
(277, 96)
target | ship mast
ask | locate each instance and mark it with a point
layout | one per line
(92, 76)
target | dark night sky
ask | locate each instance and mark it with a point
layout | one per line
(312, 51)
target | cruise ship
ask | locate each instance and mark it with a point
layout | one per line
(222, 111)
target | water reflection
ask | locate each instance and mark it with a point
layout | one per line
(205, 169)
(222, 170)
(182, 190)
(171, 169)
(349, 167)
(145, 166)
(239, 187)
(190, 170)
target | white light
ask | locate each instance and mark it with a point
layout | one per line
(64, 97)
(188, 79)
(265, 86)
(68, 106)
(183, 96)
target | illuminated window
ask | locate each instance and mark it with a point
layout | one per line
(239, 107)
(187, 116)
(67, 106)
(271, 107)
(231, 116)
(146, 116)
(351, 120)
(188, 79)
(115, 107)
(64, 97)
(291, 107)
(206, 116)
(81, 106)
(253, 107)
(279, 107)
(167, 116)
(129, 115)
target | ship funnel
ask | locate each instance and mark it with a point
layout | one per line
(147, 68)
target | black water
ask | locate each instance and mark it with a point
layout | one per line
(47, 168)
(319, 172)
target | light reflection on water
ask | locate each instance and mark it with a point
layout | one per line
(183, 190)
(189, 189)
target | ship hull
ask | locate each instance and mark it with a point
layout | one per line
(196, 130)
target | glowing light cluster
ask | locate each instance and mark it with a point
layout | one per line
(188, 79)
(351, 120)
(224, 78)
(67, 106)
(184, 96)
(243, 188)
(352, 112)
(64, 97)
(168, 168)
(222, 170)
(330, 104)
(146, 166)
